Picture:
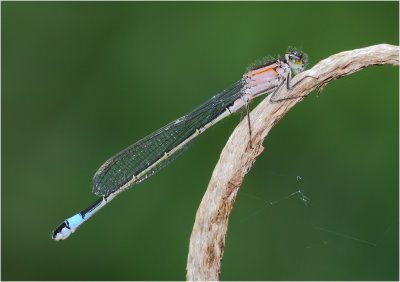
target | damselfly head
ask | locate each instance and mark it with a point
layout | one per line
(296, 60)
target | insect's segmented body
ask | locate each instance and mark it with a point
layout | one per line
(152, 153)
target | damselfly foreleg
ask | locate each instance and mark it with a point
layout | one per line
(288, 87)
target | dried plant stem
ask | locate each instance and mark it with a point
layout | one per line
(207, 241)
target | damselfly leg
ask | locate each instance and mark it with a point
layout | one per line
(248, 121)
(288, 87)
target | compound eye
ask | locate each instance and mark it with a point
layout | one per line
(293, 59)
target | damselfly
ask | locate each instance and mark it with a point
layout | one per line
(147, 156)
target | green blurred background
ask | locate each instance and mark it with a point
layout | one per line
(81, 81)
